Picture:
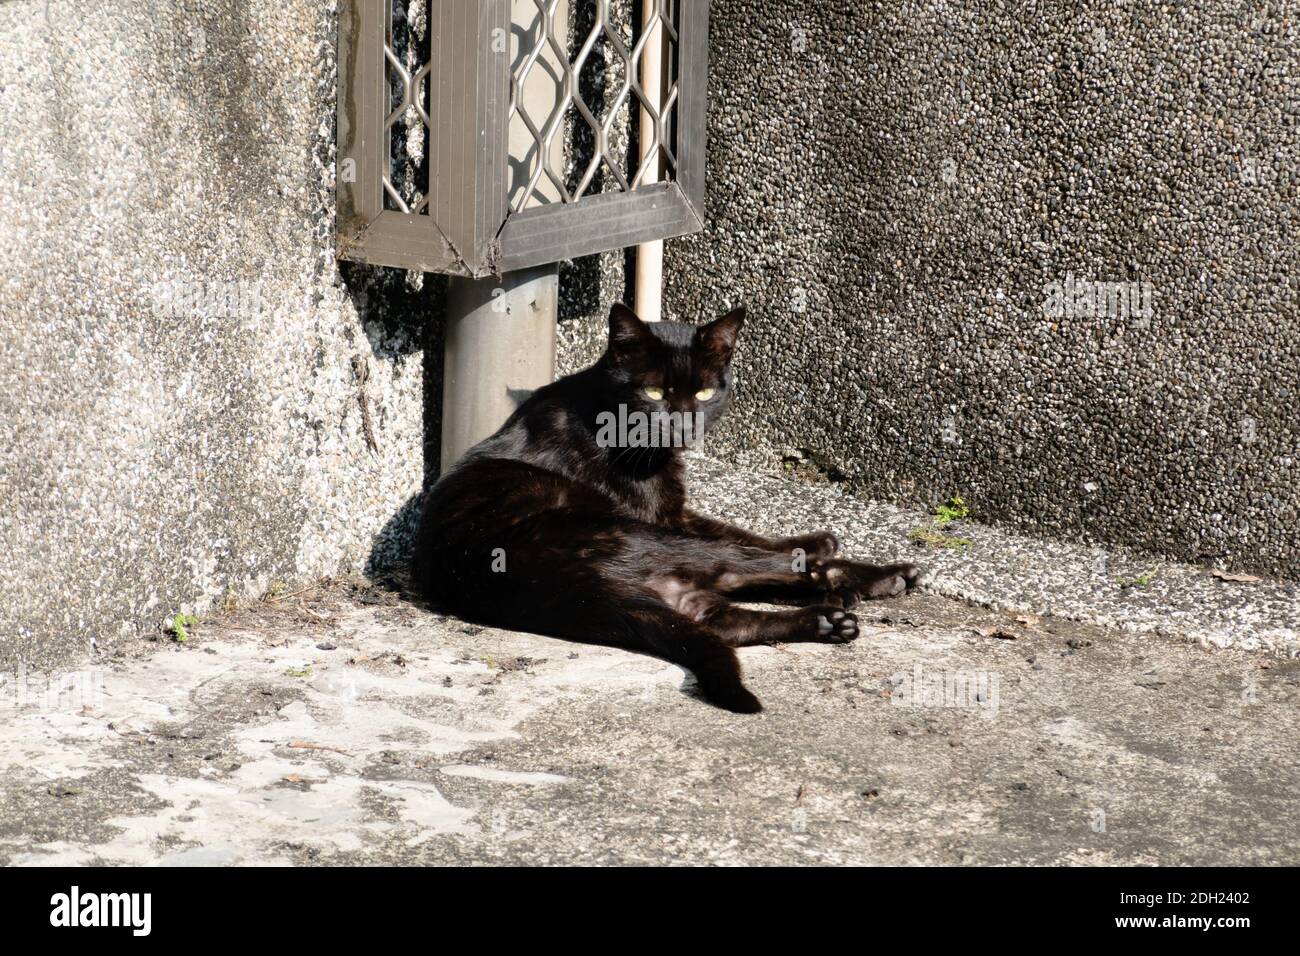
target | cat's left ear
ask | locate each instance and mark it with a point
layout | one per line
(718, 338)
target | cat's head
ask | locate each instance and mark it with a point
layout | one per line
(668, 371)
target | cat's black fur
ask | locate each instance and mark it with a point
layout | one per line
(541, 529)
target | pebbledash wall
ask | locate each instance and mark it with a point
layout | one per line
(197, 403)
(904, 192)
(185, 372)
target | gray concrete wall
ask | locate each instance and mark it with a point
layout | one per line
(894, 186)
(184, 368)
(182, 365)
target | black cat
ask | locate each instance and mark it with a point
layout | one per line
(572, 521)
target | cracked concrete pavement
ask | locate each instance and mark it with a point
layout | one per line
(344, 725)
(1037, 702)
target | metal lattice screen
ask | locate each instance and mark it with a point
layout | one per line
(407, 67)
(486, 135)
(594, 87)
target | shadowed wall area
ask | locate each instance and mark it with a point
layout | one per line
(898, 190)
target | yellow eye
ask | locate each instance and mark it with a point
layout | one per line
(654, 394)
(704, 394)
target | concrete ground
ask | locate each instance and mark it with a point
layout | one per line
(342, 724)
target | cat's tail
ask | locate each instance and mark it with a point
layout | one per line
(675, 637)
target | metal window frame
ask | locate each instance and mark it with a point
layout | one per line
(469, 229)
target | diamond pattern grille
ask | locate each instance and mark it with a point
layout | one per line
(599, 93)
(579, 106)
(481, 136)
(405, 176)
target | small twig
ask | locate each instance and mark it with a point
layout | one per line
(312, 614)
(304, 745)
(275, 599)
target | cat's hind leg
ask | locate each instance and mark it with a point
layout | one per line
(819, 544)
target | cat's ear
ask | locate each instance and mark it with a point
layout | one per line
(627, 333)
(718, 338)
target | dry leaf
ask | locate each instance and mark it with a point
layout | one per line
(1235, 578)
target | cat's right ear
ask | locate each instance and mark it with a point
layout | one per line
(718, 338)
(627, 333)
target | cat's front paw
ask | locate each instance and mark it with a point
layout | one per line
(819, 545)
(835, 625)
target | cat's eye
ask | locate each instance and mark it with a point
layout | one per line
(654, 394)
(704, 394)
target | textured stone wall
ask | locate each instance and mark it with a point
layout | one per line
(895, 188)
(182, 365)
(186, 375)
